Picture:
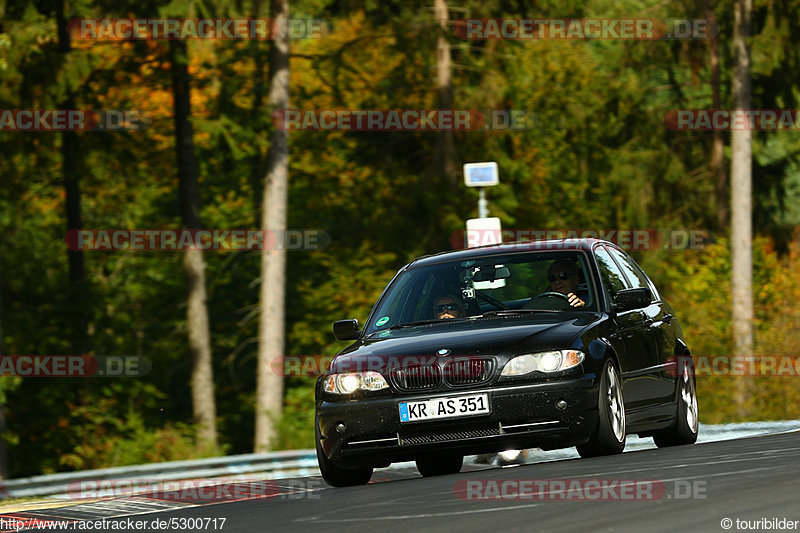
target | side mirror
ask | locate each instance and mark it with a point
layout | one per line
(628, 299)
(346, 330)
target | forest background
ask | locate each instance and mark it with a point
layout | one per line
(599, 156)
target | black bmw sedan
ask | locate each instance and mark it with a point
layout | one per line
(548, 344)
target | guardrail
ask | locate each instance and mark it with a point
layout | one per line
(273, 464)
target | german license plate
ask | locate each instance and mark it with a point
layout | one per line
(450, 407)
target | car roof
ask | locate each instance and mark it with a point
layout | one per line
(585, 244)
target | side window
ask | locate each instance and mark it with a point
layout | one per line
(632, 270)
(613, 278)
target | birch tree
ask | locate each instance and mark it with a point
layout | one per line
(742, 199)
(269, 388)
(202, 381)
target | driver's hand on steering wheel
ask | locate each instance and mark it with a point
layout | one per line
(574, 301)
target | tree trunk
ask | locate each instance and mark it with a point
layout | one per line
(257, 170)
(446, 151)
(269, 389)
(741, 202)
(202, 382)
(717, 143)
(71, 171)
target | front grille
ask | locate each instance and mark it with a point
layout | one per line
(425, 438)
(417, 377)
(470, 371)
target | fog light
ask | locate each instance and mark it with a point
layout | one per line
(340, 427)
(510, 456)
(561, 405)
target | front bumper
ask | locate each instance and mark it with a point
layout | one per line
(522, 416)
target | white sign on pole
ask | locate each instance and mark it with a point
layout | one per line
(481, 174)
(483, 232)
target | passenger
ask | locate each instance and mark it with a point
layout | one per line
(448, 306)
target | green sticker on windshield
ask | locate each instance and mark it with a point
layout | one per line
(381, 321)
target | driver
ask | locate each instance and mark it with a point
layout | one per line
(448, 307)
(563, 278)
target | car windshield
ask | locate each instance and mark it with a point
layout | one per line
(513, 284)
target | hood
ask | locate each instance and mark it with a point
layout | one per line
(503, 336)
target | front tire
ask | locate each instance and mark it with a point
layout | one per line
(609, 437)
(335, 475)
(684, 431)
(440, 465)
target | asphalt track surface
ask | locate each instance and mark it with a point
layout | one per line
(698, 486)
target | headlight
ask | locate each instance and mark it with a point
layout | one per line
(349, 383)
(550, 361)
(547, 362)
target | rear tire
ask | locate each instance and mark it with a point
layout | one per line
(684, 431)
(336, 475)
(609, 437)
(440, 465)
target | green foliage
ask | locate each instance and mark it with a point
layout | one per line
(117, 424)
(296, 425)
(130, 442)
(697, 285)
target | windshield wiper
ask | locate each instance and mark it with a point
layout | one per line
(505, 312)
(418, 323)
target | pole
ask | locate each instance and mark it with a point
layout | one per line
(483, 210)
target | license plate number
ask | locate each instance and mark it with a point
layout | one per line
(450, 407)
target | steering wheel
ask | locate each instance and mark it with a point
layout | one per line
(551, 294)
(494, 301)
